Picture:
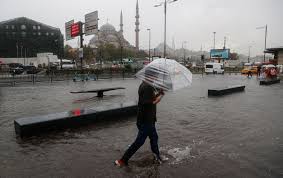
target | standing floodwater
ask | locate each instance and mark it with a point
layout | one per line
(238, 135)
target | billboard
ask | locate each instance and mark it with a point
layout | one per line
(91, 23)
(76, 29)
(68, 29)
(219, 53)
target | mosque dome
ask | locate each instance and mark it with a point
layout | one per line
(108, 28)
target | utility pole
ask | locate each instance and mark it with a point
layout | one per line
(165, 13)
(265, 42)
(265, 37)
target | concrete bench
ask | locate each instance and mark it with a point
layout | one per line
(75, 118)
(225, 90)
(98, 91)
(269, 82)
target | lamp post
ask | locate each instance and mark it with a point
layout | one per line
(165, 12)
(249, 54)
(265, 36)
(149, 36)
(17, 46)
(184, 42)
(214, 40)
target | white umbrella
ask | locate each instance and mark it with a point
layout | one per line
(270, 66)
(166, 74)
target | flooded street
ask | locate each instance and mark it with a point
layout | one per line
(237, 135)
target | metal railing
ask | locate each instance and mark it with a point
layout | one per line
(8, 79)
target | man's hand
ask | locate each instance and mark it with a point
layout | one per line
(161, 92)
(157, 99)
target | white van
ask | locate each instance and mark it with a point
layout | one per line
(66, 64)
(214, 68)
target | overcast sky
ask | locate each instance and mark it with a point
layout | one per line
(193, 21)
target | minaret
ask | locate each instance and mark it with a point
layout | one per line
(121, 23)
(137, 25)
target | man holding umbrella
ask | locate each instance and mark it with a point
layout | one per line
(148, 98)
(161, 74)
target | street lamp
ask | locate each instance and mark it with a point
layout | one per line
(165, 12)
(17, 46)
(149, 36)
(214, 40)
(264, 40)
(184, 42)
(249, 54)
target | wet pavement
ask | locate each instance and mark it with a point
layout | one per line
(237, 135)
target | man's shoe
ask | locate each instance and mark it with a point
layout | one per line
(158, 159)
(120, 163)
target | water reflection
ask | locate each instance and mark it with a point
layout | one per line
(241, 132)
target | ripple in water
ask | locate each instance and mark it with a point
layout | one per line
(178, 154)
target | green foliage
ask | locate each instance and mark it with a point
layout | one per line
(128, 67)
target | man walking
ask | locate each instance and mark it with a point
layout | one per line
(145, 123)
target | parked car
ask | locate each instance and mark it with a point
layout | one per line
(16, 68)
(31, 69)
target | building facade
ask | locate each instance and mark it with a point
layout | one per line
(278, 54)
(22, 37)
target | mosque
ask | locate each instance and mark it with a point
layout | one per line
(108, 35)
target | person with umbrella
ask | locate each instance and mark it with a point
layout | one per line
(146, 118)
(158, 76)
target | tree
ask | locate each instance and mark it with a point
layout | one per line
(89, 55)
(70, 53)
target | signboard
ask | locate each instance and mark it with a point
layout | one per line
(76, 29)
(219, 53)
(81, 53)
(68, 29)
(91, 23)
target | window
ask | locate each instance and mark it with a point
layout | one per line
(13, 27)
(14, 33)
(23, 27)
(24, 34)
(39, 33)
(209, 66)
(38, 27)
(34, 27)
(7, 26)
(34, 33)
(47, 34)
(52, 34)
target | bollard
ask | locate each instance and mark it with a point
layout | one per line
(123, 74)
(33, 79)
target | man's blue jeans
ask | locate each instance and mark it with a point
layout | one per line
(145, 130)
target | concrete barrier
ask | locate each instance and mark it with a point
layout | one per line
(269, 82)
(75, 118)
(225, 90)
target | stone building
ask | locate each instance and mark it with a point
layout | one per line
(108, 35)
